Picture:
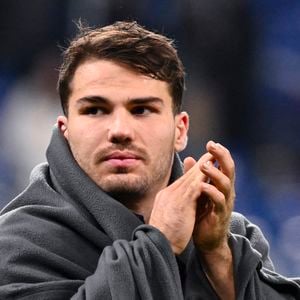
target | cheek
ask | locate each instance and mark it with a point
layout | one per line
(83, 140)
(162, 138)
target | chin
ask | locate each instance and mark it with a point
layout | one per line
(122, 185)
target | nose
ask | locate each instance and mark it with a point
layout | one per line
(120, 128)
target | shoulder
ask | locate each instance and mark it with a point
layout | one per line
(37, 190)
(40, 210)
(241, 226)
(238, 223)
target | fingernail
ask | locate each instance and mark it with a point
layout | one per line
(207, 165)
(213, 145)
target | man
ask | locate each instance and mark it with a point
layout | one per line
(111, 214)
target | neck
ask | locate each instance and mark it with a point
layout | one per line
(143, 208)
(143, 204)
(140, 204)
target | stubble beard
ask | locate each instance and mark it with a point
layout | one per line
(129, 188)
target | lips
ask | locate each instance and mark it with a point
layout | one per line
(121, 156)
(122, 159)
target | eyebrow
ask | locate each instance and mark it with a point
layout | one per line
(92, 99)
(104, 100)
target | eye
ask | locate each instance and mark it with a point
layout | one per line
(94, 110)
(141, 110)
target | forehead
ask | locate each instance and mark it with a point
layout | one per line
(111, 79)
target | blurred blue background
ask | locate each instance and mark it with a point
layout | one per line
(242, 60)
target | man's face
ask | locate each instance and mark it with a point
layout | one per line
(121, 128)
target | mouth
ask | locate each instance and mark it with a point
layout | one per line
(122, 159)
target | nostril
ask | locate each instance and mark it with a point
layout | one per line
(120, 139)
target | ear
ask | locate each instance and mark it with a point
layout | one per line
(181, 130)
(62, 123)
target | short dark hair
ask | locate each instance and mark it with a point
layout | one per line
(127, 43)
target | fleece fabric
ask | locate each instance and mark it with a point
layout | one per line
(64, 238)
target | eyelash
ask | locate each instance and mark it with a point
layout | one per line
(93, 110)
(137, 110)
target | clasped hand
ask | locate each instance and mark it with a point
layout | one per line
(199, 204)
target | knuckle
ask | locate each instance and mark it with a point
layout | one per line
(226, 151)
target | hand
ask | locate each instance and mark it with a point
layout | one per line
(216, 201)
(212, 219)
(175, 207)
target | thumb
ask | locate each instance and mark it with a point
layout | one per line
(188, 163)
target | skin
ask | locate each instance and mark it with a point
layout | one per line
(129, 129)
(123, 133)
(213, 219)
(202, 211)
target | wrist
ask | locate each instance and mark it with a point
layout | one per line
(217, 262)
(213, 244)
(217, 259)
(221, 250)
(218, 266)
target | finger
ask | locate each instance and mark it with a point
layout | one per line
(204, 206)
(192, 168)
(196, 169)
(224, 158)
(206, 157)
(218, 178)
(193, 176)
(218, 198)
(188, 163)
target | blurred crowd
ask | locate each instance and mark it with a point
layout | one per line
(242, 61)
